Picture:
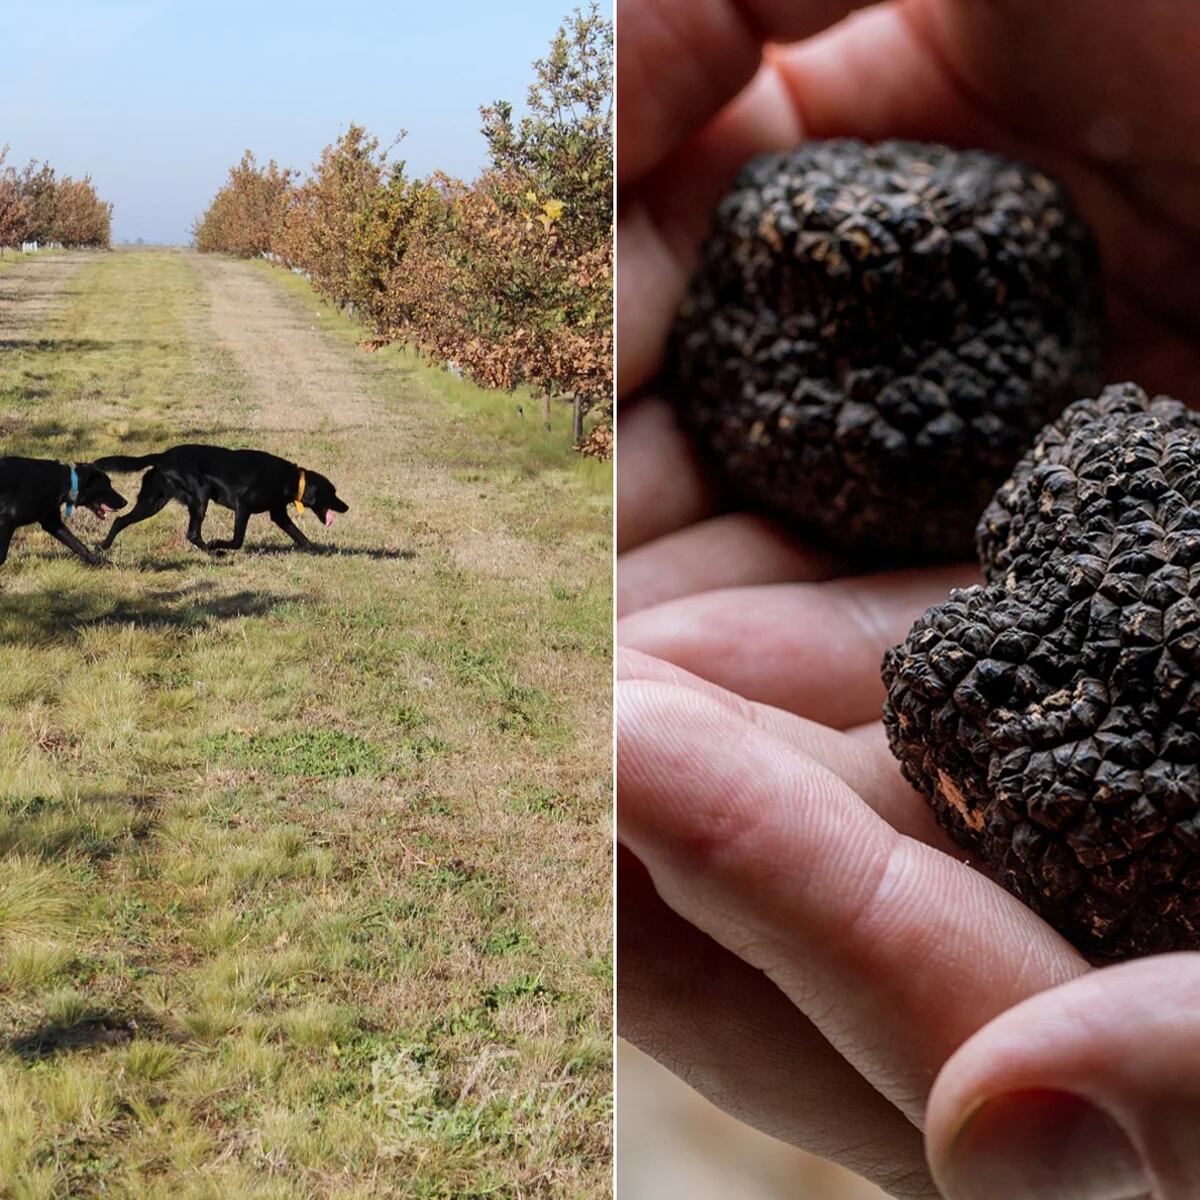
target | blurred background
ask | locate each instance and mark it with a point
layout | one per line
(672, 1142)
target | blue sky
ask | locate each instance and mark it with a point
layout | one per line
(156, 99)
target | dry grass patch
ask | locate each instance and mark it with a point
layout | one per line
(306, 858)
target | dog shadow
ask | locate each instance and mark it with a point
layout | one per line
(33, 618)
(55, 345)
(178, 560)
(94, 1029)
(324, 551)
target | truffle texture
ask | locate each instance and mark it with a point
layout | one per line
(876, 333)
(1052, 715)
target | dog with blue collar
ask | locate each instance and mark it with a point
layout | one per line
(39, 491)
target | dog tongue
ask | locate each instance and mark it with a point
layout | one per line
(329, 516)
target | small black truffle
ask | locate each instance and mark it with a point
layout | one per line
(1052, 716)
(877, 332)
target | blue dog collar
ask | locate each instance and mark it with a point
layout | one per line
(73, 494)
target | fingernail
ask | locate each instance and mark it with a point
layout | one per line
(1042, 1145)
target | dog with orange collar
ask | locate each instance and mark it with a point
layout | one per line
(245, 481)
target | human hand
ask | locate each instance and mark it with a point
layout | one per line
(799, 942)
(797, 939)
(712, 979)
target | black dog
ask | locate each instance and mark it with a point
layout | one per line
(34, 490)
(247, 481)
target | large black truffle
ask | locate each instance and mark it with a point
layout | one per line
(1052, 716)
(877, 332)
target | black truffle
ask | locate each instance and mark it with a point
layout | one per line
(1052, 716)
(877, 332)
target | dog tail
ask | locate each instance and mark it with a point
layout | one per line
(126, 462)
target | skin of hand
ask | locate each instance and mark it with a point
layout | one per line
(797, 939)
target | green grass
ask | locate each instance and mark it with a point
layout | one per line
(326, 753)
(305, 859)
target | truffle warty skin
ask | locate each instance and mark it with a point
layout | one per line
(876, 333)
(1052, 715)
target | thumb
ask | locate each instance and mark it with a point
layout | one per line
(1088, 1091)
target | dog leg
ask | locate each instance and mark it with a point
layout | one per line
(241, 518)
(197, 511)
(151, 499)
(281, 518)
(63, 534)
(6, 532)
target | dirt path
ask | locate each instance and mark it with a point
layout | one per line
(30, 294)
(292, 367)
(301, 379)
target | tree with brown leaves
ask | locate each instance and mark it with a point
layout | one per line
(15, 208)
(247, 213)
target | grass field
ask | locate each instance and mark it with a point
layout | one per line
(305, 869)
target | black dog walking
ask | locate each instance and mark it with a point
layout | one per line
(34, 491)
(246, 481)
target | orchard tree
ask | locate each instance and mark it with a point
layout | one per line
(15, 208)
(325, 214)
(400, 217)
(562, 149)
(426, 288)
(525, 311)
(40, 188)
(245, 216)
(553, 175)
(81, 217)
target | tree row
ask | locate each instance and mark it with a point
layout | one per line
(36, 205)
(507, 278)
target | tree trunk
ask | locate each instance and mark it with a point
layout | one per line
(546, 411)
(576, 419)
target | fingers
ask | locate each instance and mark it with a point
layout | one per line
(813, 649)
(872, 76)
(733, 1035)
(1087, 1091)
(879, 75)
(860, 758)
(682, 60)
(679, 64)
(895, 951)
(661, 223)
(738, 548)
(650, 285)
(661, 484)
